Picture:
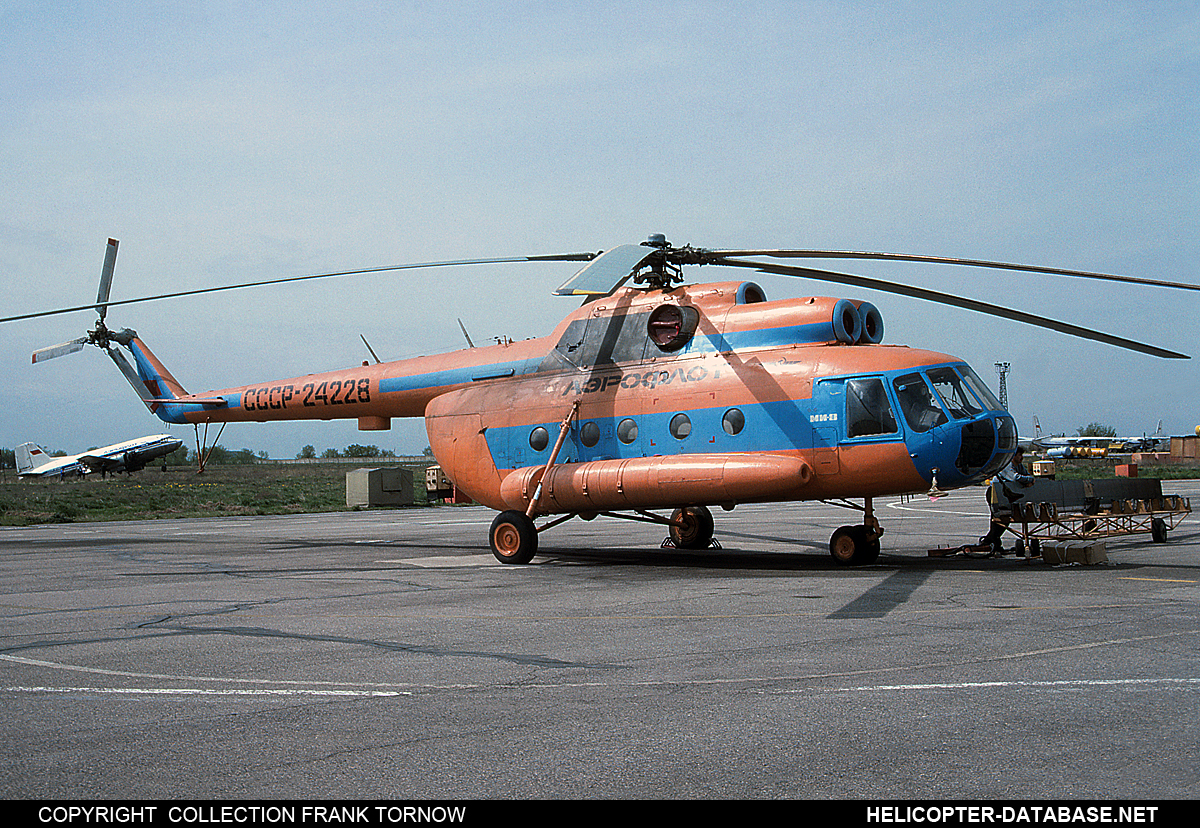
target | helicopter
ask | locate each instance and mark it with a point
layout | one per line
(658, 395)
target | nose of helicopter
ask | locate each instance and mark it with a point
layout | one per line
(963, 453)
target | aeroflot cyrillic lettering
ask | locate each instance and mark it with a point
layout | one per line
(649, 379)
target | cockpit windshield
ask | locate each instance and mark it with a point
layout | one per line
(950, 387)
(920, 408)
(980, 388)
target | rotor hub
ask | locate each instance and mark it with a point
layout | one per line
(663, 269)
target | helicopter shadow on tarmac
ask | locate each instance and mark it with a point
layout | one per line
(902, 574)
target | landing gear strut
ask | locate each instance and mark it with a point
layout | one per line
(513, 536)
(857, 545)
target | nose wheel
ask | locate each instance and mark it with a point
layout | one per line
(857, 545)
(854, 546)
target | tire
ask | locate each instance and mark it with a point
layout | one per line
(1158, 530)
(849, 546)
(697, 529)
(513, 538)
(871, 553)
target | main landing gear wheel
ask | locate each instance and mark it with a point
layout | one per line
(692, 527)
(850, 546)
(513, 538)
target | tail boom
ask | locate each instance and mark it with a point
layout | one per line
(370, 393)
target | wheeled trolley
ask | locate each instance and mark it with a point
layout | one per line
(1080, 510)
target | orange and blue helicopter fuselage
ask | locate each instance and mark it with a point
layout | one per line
(704, 394)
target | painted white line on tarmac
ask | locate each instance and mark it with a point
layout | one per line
(204, 691)
(1044, 685)
(1168, 683)
(449, 561)
(367, 689)
(364, 686)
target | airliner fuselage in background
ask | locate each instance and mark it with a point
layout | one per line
(129, 456)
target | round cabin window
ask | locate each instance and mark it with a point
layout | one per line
(589, 434)
(539, 438)
(627, 431)
(681, 426)
(733, 422)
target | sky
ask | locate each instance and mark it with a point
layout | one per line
(223, 142)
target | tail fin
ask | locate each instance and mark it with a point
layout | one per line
(29, 457)
(158, 380)
(152, 381)
(155, 384)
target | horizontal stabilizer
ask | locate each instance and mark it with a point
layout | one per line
(218, 401)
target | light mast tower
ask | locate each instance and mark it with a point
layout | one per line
(1002, 370)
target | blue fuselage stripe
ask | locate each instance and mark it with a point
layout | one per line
(455, 376)
(762, 338)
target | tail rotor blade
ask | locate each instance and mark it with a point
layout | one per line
(131, 375)
(106, 274)
(59, 350)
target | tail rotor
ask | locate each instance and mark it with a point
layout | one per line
(101, 336)
(43, 354)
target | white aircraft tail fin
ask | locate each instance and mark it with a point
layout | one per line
(30, 456)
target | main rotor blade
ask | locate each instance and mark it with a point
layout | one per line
(958, 302)
(106, 274)
(566, 257)
(907, 257)
(606, 272)
(62, 349)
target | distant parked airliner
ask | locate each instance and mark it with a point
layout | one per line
(34, 461)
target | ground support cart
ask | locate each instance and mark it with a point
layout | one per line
(1093, 510)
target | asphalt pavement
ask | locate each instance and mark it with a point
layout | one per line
(387, 655)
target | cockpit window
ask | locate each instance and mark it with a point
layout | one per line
(867, 409)
(980, 388)
(953, 391)
(921, 410)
